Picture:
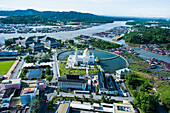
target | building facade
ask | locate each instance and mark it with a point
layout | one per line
(76, 59)
(72, 82)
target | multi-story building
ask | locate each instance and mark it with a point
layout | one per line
(107, 85)
(39, 43)
(49, 42)
(27, 94)
(37, 46)
(72, 82)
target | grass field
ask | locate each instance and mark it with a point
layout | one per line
(5, 66)
(64, 71)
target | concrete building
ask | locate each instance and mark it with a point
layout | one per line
(40, 84)
(120, 74)
(49, 42)
(9, 53)
(11, 83)
(123, 108)
(63, 108)
(39, 43)
(25, 42)
(107, 84)
(76, 59)
(27, 94)
(37, 46)
(6, 97)
(72, 82)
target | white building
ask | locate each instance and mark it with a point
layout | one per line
(120, 74)
(75, 59)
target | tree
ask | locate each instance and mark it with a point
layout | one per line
(29, 50)
(47, 71)
(49, 77)
(147, 103)
(84, 98)
(75, 98)
(103, 99)
(34, 104)
(91, 96)
(71, 41)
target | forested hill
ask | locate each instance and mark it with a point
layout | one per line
(57, 16)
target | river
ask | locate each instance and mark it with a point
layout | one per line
(89, 31)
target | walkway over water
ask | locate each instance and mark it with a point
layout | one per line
(103, 59)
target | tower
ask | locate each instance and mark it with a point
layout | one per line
(75, 58)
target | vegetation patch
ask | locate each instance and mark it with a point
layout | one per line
(141, 88)
(64, 71)
(5, 66)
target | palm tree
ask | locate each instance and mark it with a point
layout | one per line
(91, 96)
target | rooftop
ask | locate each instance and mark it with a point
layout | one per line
(72, 78)
(63, 108)
(8, 92)
(34, 73)
(11, 81)
(107, 83)
(123, 108)
(27, 90)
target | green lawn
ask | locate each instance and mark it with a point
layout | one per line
(5, 66)
(64, 71)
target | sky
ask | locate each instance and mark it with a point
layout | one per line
(137, 8)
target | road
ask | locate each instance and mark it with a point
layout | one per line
(95, 97)
(55, 67)
(18, 69)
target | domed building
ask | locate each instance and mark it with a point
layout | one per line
(76, 59)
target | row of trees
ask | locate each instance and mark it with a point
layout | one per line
(32, 16)
(146, 35)
(103, 44)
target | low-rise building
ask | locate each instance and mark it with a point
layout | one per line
(9, 53)
(37, 46)
(120, 74)
(123, 108)
(40, 84)
(11, 83)
(72, 82)
(63, 108)
(49, 42)
(107, 84)
(9, 93)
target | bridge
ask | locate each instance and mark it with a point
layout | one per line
(103, 59)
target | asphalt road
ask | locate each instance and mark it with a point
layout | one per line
(55, 67)
(18, 69)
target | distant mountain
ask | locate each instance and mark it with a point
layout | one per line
(55, 16)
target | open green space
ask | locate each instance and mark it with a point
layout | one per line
(64, 71)
(5, 66)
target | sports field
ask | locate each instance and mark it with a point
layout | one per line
(5, 66)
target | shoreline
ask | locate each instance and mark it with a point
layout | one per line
(127, 62)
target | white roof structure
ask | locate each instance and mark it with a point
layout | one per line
(123, 71)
